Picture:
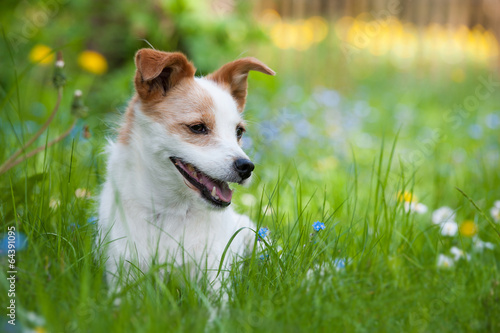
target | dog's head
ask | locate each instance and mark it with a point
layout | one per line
(194, 125)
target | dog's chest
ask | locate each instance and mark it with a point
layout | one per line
(182, 236)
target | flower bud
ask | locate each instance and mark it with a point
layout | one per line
(78, 109)
(59, 79)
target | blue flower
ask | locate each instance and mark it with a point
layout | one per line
(329, 98)
(74, 226)
(302, 128)
(339, 264)
(19, 241)
(263, 232)
(264, 257)
(318, 226)
(92, 220)
(269, 130)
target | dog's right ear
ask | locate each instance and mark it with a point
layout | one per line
(234, 75)
(158, 72)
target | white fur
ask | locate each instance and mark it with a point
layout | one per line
(147, 211)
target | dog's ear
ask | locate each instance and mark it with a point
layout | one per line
(234, 75)
(157, 72)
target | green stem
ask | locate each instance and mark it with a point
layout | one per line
(12, 164)
(6, 165)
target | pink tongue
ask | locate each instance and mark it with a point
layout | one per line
(223, 191)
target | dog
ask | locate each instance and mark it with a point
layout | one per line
(166, 196)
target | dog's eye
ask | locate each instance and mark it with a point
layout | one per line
(199, 129)
(239, 132)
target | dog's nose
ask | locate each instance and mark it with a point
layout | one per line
(244, 167)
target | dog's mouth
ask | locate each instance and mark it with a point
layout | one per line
(214, 191)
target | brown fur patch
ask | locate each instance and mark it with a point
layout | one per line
(165, 85)
(158, 72)
(185, 105)
(233, 76)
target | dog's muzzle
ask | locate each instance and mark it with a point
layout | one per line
(243, 167)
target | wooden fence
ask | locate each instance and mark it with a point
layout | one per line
(418, 12)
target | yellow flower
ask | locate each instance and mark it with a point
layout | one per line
(93, 62)
(41, 54)
(468, 228)
(406, 197)
(39, 329)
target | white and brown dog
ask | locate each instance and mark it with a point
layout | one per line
(166, 196)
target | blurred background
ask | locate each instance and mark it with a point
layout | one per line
(331, 42)
(349, 73)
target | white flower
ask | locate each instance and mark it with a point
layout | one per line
(495, 211)
(316, 270)
(54, 203)
(322, 271)
(248, 200)
(35, 319)
(421, 208)
(442, 215)
(445, 261)
(458, 253)
(416, 207)
(279, 250)
(449, 228)
(82, 193)
(480, 245)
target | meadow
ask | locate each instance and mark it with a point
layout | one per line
(376, 196)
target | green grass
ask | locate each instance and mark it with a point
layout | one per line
(342, 162)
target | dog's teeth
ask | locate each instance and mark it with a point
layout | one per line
(190, 168)
(195, 175)
(214, 193)
(216, 197)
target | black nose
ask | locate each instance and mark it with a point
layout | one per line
(244, 167)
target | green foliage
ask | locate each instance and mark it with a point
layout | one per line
(340, 156)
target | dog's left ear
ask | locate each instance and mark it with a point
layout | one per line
(234, 75)
(158, 72)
